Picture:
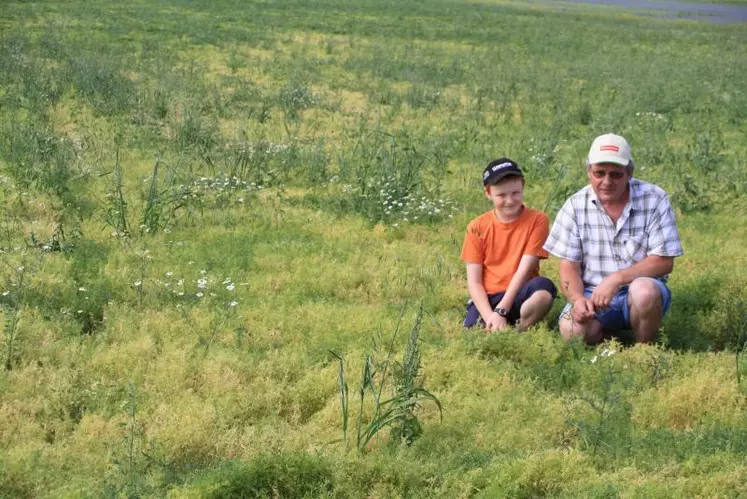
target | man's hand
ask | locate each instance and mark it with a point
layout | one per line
(496, 322)
(582, 310)
(603, 294)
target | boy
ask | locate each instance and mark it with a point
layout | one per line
(502, 250)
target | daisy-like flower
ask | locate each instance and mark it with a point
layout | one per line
(198, 295)
(234, 303)
(231, 287)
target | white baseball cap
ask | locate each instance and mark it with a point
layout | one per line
(610, 148)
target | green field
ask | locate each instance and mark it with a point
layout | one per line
(216, 215)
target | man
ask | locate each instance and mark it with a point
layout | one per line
(502, 249)
(617, 240)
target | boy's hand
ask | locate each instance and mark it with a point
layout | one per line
(496, 322)
(582, 310)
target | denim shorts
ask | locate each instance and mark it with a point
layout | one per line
(616, 317)
(528, 289)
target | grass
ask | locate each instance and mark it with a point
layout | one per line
(207, 198)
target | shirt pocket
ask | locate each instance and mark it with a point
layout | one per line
(637, 247)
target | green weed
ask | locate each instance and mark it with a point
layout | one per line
(397, 412)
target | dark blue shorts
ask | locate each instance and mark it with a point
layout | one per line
(528, 289)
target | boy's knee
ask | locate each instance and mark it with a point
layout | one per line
(546, 285)
(544, 297)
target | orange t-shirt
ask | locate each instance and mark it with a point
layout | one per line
(499, 246)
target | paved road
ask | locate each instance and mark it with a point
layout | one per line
(716, 13)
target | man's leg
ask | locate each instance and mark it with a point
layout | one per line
(590, 331)
(646, 308)
(534, 309)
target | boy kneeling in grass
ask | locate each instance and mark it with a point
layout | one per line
(502, 250)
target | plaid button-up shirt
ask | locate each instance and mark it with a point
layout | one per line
(583, 232)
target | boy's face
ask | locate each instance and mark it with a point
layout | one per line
(507, 197)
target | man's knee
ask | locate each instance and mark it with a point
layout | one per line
(644, 294)
(590, 331)
(567, 330)
(570, 328)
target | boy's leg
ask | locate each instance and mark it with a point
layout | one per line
(648, 301)
(534, 301)
(472, 317)
(534, 309)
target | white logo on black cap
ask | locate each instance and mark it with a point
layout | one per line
(507, 164)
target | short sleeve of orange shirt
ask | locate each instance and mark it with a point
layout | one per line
(499, 246)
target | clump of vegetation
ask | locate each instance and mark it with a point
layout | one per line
(398, 412)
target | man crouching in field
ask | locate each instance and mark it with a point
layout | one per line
(502, 249)
(617, 240)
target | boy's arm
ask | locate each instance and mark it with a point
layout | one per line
(528, 265)
(477, 290)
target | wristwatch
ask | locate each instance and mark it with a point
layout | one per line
(502, 312)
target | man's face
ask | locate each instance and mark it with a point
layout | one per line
(507, 197)
(609, 181)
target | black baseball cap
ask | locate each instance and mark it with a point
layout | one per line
(498, 169)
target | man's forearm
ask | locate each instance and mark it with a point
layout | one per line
(571, 284)
(651, 266)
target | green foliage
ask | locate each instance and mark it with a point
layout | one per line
(99, 81)
(39, 159)
(397, 412)
(281, 474)
(387, 178)
(116, 206)
(12, 303)
(607, 430)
